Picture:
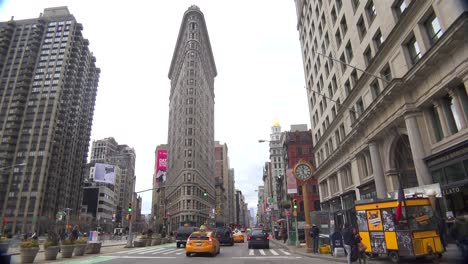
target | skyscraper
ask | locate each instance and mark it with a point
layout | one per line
(190, 170)
(48, 85)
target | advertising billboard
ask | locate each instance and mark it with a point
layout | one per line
(104, 173)
(161, 166)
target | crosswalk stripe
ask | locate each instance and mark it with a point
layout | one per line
(171, 251)
(251, 252)
(285, 252)
(160, 250)
(131, 251)
(274, 252)
(262, 252)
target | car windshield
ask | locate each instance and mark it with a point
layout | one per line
(199, 236)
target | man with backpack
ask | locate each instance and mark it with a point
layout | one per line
(314, 233)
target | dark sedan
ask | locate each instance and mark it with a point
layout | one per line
(258, 238)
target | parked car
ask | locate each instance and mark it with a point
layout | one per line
(258, 238)
(224, 235)
(182, 234)
(202, 242)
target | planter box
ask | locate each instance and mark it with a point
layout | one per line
(51, 252)
(148, 242)
(67, 250)
(139, 243)
(164, 240)
(93, 248)
(79, 249)
(28, 254)
(156, 241)
(4, 245)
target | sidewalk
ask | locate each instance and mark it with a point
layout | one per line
(450, 256)
(108, 246)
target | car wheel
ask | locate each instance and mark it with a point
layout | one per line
(187, 254)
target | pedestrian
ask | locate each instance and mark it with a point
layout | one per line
(276, 232)
(459, 232)
(348, 241)
(314, 231)
(284, 234)
(361, 247)
(75, 232)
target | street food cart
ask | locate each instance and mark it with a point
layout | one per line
(415, 235)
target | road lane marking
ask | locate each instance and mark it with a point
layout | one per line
(159, 250)
(274, 252)
(141, 257)
(171, 251)
(131, 251)
(285, 252)
(251, 252)
(262, 252)
(267, 257)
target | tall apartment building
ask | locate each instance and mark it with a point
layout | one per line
(191, 124)
(395, 108)
(48, 86)
(108, 151)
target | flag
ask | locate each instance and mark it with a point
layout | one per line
(401, 200)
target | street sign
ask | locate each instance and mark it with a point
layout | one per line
(288, 213)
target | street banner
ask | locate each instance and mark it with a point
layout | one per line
(104, 173)
(161, 166)
(291, 182)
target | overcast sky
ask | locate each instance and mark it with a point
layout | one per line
(257, 54)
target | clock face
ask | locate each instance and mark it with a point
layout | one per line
(303, 172)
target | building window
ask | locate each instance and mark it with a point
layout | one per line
(368, 55)
(387, 73)
(400, 7)
(375, 89)
(349, 51)
(355, 5)
(370, 10)
(453, 117)
(432, 26)
(436, 125)
(333, 15)
(339, 4)
(361, 28)
(378, 39)
(343, 64)
(354, 78)
(344, 26)
(338, 38)
(359, 107)
(337, 137)
(347, 87)
(413, 49)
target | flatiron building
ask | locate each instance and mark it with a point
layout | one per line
(191, 145)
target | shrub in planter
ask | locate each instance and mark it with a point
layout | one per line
(28, 250)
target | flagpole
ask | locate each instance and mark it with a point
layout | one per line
(400, 185)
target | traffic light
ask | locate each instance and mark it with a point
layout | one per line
(295, 203)
(129, 207)
(205, 193)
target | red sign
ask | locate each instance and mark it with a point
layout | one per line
(288, 213)
(5, 220)
(161, 165)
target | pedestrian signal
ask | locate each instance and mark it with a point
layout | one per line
(295, 203)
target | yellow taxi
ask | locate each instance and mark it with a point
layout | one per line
(238, 236)
(202, 242)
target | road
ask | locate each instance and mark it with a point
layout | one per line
(237, 254)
